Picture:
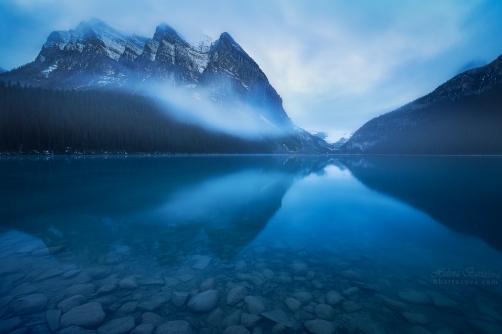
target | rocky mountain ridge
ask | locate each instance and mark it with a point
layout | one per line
(466, 109)
(96, 56)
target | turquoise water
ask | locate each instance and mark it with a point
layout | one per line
(411, 244)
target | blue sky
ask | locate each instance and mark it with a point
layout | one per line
(336, 64)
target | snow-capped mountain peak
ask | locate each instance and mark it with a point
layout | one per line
(95, 55)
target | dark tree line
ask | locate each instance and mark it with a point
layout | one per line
(35, 120)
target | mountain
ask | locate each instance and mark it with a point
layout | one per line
(461, 116)
(96, 56)
(339, 143)
(2, 70)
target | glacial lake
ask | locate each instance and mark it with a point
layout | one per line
(274, 244)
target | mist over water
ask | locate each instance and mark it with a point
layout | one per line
(143, 231)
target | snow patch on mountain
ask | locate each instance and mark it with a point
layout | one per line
(49, 70)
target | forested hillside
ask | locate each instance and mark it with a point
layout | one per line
(36, 120)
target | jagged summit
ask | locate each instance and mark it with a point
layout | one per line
(164, 29)
(226, 38)
(96, 26)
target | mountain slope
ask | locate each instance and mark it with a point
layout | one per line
(462, 116)
(95, 56)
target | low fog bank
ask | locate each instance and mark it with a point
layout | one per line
(233, 116)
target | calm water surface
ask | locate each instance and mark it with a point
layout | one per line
(270, 243)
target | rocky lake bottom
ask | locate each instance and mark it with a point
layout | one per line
(332, 256)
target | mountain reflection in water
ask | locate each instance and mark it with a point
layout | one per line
(138, 237)
(67, 200)
(462, 193)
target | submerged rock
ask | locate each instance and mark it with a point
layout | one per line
(268, 288)
(186, 277)
(171, 282)
(117, 326)
(52, 318)
(419, 330)
(320, 326)
(204, 301)
(71, 302)
(302, 315)
(317, 285)
(175, 327)
(303, 297)
(150, 305)
(254, 305)
(363, 322)
(299, 268)
(207, 284)
(292, 304)
(240, 265)
(8, 325)
(107, 288)
(333, 297)
(268, 273)
(128, 307)
(446, 303)
(484, 327)
(143, 329)
(236, 330)
(414, 297)
(85, 290)
(202, 262)
(325, 312)
(350, 291)
(88, 316)
(152, 318)
(391, 303)
(249, 320)
(215, 317)
(48, 274)
(29, 304)
(233, 319)
(350, 306)
(416, 318)
(279, 317)
(350, 275)
(488, 311)
(284, 279)
(236, 295)
(23, 289)
(278, 329)
(76, 330)
(179, 298)
(128, 283)
(310, 275)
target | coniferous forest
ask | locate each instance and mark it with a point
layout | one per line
(38, 120)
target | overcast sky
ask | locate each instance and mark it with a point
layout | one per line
(336, 64)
